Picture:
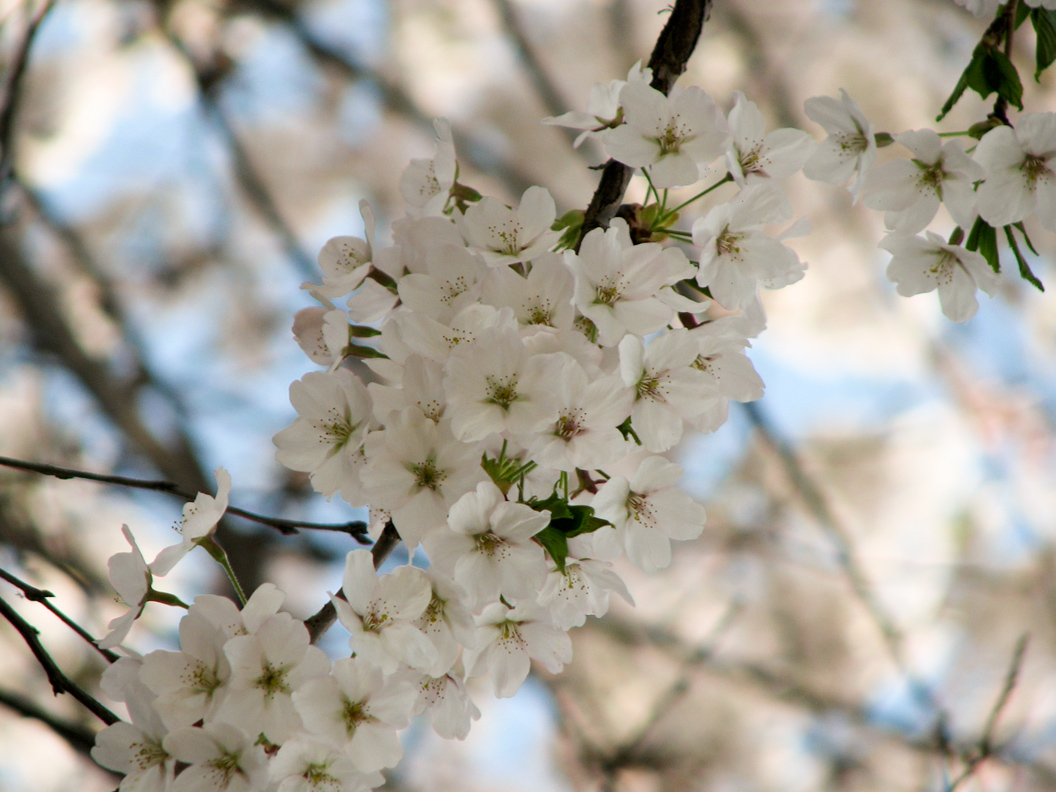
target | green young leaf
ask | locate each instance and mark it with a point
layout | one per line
(1045, 26)
(628, 431)
(984, 239)
(555, 543)
(1026, 238)
(1024, 268)
(958, 91)
(1006, 81)
(1022, 12)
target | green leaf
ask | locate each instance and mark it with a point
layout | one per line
(1045, 26)
(628, 431)
(958, 91)
(555, 543)
(1024, 268)
(1022, 11)
(1007, 83)
(984, 239)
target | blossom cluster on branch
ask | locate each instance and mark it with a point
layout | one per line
(524, 380)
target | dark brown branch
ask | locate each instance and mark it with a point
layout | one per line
(16, 72)
(324, 619)
(356, 528)
(670, 55)
(43, 596)
(80, 738)
(60, 683)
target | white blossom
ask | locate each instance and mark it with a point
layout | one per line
(674, 136)
(850, 146)
(922, 265)
(199, 521)
(131, 578)
(752, 153)
(427, 183)
(221, 756)
(1020, 180)
(647, 512)
(504, 235)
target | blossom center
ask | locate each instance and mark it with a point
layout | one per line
(426, 474)
(727, 243)
(502, 392)
(317, 775)
(227, 766)
(506, 238)
(354, 713)
(638, 505)
(272, 680)
(489, 544)
(570, 425)
(149, 754)
(1034, 168)
(649, 387)
(374, 621)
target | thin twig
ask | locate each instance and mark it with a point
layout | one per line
(43, 596)
(60, 683)
(986, 747)
(80, 738)
(16, 72)
(356, 528)
(325, 617)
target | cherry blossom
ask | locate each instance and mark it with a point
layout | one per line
(1019, 178)
(674, 136)
(508, 639)
(487, 547)
(850, 146)
(131, 578)
(506, 236)
(754, 154)
(222, 758)
(426, 184)
(910, 190)
(922, 265)
(199, 520)
(379, 614)
(647, 512)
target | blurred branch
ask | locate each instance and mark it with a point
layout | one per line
(80, 738)
(60, 683)
(324, 619)
(43, 596)
(553, 102)
(784, 687)
(626, 754)
(355, 528)
(839, 536)
(16, 71)
(673, 48)
(986, 748)
(392, 94)
(209, 77)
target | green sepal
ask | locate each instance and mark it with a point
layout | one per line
(165, 598)
(362, 331)
(883, 139)
(983, 238)
(355, 350)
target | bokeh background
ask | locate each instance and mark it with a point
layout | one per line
(881, 525)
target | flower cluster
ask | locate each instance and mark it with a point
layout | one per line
(520, 392)
(1008, 178)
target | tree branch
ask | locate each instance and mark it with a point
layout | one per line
(43, 596)
(16, 72)
(356, 528)
(60, 683)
